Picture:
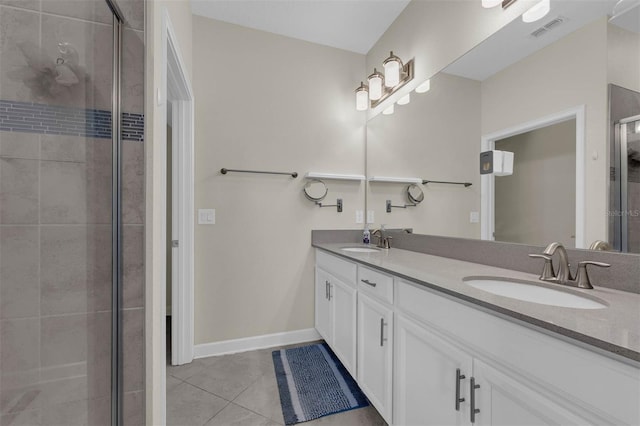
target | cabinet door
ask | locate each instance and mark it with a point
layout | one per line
(375, 342)
(426, 385)
(323, 306)
(504, 400)
(343, 299)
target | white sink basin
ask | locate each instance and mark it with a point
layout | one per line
(361, 249)
(534, 292)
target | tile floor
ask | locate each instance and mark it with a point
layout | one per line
(238, 389)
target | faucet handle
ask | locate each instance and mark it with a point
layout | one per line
(548, 273)
(594, 263)
(582, 277)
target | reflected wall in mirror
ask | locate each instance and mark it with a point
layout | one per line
(517, 87)
(536, 204)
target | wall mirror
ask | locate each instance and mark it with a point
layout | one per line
(551, 92)
(315, 190)
(415, 194)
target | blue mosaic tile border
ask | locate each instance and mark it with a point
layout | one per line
(31, 117)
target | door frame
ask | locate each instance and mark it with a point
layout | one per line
(487, 182)
(180, 95)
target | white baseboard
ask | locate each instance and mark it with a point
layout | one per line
(257, 342)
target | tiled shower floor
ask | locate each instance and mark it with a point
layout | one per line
(238, 389)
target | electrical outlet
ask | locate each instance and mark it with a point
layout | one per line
(359, 216)
(370, 216)
(206, 216)
(474, 217)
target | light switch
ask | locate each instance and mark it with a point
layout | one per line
(206, 216)
(359, 216)
(370, 216)
(474, 217)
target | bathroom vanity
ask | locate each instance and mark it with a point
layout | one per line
(428, 348)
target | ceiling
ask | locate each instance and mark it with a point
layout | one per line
(353, 25)
(515, 41)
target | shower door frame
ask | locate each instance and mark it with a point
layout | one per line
(622, 190)
(117, 417)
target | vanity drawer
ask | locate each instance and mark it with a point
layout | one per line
(375, 283)
(337, 267)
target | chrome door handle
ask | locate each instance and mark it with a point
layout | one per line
(326, 290)
(474, 410)
(382, 338)
(369, 283)
(458, 378)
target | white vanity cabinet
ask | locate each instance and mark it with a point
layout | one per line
(430, 378)
(433, 379)
(375, 338)
(335, 307)
(375, 351)
(503, 400)
(323, 304)
(524, 377)
(418, 351)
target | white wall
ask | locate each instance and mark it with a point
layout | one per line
(566, 74)
(267, 102)
(179, 13)
(623, 65)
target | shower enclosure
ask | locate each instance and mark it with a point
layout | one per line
(624, 211)
(71, 212)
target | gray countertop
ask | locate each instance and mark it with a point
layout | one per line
(613, 331)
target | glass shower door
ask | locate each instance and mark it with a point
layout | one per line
(56, 177)
(630, 184)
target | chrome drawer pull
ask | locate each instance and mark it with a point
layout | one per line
(458, 378)
(369, 283)
(474, 410)
(382, 338)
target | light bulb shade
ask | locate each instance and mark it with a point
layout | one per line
(424, 87)
(490, 3)
(375, 85)
(392, 68)
(404, 100)
(538, 11)
(389, 110)
(362, 97)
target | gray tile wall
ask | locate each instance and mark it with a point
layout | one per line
(55, 233)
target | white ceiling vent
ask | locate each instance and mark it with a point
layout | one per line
(548, 26)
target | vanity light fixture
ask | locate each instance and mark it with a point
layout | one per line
(375, 85)
(362, 97)
(392, 68)
(537, 11)
(405, 99)
(424, 87)
(490, 3)
(487, 4)
(380, 87)
(389, 110)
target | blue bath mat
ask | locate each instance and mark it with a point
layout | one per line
(313, 383)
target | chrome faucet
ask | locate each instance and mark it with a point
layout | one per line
(383, 242)
(564, 268)
(564, 272)
(600, 245)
